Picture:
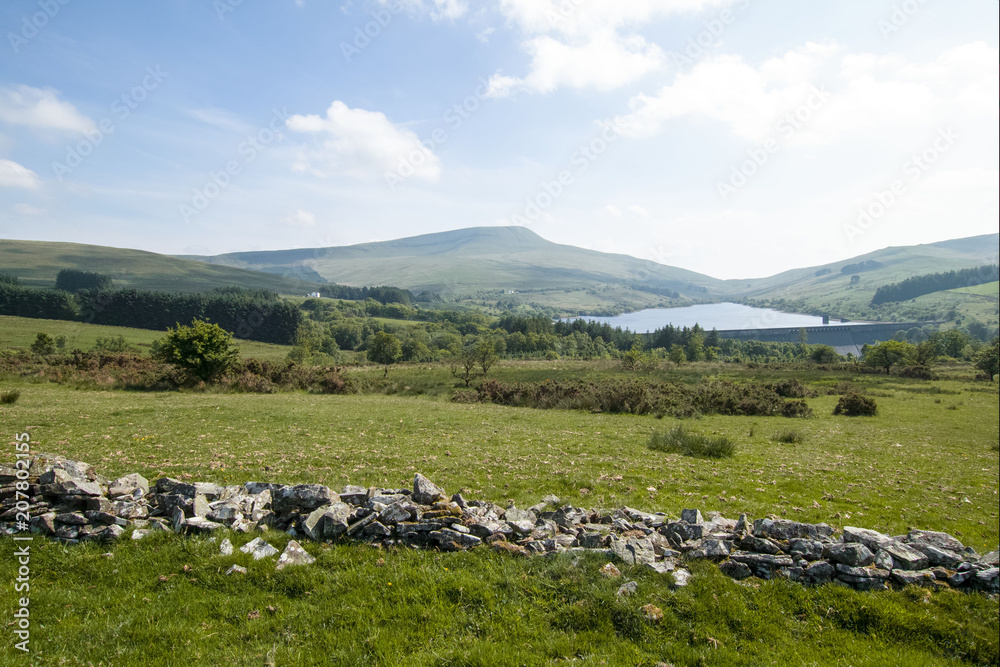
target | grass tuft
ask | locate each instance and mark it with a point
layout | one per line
(680, 441)
(9, 397)
(789, 437)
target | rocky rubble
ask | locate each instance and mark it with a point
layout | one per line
(70, 502)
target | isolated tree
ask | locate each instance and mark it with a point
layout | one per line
(695, 350)
(486, 354)
(385, 349)
(888, 354)
(464, 363)
(204, 350)
(677, 354)
(44, 344)
(986, 359)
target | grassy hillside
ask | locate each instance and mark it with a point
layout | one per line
(37, 263)
(21, 332)
(468, 260)
(826, 289)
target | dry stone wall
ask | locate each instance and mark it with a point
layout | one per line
(70, 502)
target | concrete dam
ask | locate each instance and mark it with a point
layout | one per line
(843, 338)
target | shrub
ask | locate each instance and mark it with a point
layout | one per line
(790, 389)
(916, 372)
(855, 405)
(790, 437)
(796, 409)
(9, 397)
(204, 350)
(331, 383)
(44, 345)
(680, 441)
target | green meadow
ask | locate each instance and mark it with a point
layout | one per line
(927, 460)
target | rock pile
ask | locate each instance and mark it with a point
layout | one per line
(68, 501)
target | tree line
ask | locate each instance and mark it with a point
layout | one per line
(929, 283)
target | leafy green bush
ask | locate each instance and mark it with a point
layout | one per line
(680, 441)
(204, 350)
(9, 397)
(856, 405)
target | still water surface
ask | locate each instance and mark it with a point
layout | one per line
(713, 316)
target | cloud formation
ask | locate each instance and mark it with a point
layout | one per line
(41, 108)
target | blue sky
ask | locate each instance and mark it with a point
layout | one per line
(736, 138)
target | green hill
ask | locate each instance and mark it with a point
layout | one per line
(36, 264)
(832, 288)
(470, 259)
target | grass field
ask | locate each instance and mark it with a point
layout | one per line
(20, 332)
(989, 289)
(926, 461)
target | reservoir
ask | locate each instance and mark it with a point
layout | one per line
(713, 316)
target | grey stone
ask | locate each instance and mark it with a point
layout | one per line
(992, 559)
(755, 560)
(461, 539)
(988, 580)
(634, 551)
(883, 560)
(872, 539)
(199, 505)
(236, 569)
(853, 553)
(861, 572)
(913, 577)
(761, 545)
(258, 548)
(715, 549)
(397, 512)
(166, 484)
(783, 529)
(819, 572)
(335, 521)
(692, 517)
(513, 514)
(128, 509)
(938, 556)
(361, 523)
(140, 533)
(199, 524)
(905, 557)
(425, 492)
(226, 547)
(126, 485)
(628, 588)
(735, 570)
(294, 554)
(932, 538)
(662, 567)
(72, 518)
(376, 529)
(681, 577)
(77, 487)
(302, 497)
(811, 550)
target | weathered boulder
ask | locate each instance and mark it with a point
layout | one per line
(127, 485)
(634, 551)
(761, 545)
(692, 516)
(811, 550)
(872, 539)
(302, 497)
(294, 554)
(735, 570)
(849, 553)
(425, 492)
(258, 548)
(783, 529)
(904, 557)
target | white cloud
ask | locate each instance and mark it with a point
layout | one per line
(300, 219)
(42, 109)
(437, 9)
(638, 210)
(222, 119)
(362, 143)
(867, 92)
(604, 61)
(13, 175)
(584, 17)
(484, 34)
(27, 209)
